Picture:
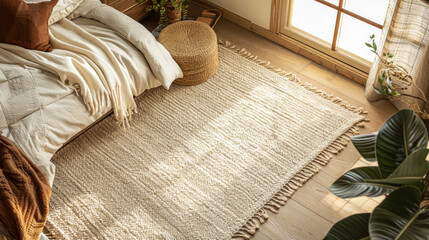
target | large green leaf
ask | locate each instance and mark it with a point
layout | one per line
(411, 170)
(365, 144)
(353, 184)
(354, 227)
(399, 216)
(415, 165)
(401, 134)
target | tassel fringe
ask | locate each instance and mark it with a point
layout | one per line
(122, 111)
(280, 198)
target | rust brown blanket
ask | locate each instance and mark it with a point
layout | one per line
(24, 193)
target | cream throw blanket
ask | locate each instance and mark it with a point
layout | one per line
(86, 63)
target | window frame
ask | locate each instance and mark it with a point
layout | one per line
(330, 49)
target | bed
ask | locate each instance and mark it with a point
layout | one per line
(101, 58)
(42, 107)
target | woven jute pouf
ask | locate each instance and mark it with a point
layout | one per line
(193, 45)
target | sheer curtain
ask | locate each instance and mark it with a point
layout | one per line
(406, 35)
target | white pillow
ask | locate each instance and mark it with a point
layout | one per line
(63, 9)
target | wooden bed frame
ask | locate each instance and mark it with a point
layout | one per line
(136, 10)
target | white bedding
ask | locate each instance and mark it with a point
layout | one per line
(62, 9)
(40, 112)
(84, 61)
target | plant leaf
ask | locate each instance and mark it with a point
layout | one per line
(414, 166)
(354, 227)
(397, 181)
(401, 134)
(399, 216)
(365, 144)
(374, 46)
(353, 184)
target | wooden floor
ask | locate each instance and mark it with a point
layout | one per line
(312, 210)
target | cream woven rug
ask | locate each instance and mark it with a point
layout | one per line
(200, 162)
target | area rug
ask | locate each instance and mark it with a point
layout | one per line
(199, 162)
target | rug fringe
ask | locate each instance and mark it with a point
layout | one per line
(280, 198)
(291, 77)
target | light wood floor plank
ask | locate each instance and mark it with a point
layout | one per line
(329, 206)
(301, 223)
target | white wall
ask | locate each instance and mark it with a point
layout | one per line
(257, 11)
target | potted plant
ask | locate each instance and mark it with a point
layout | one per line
(169, 10)
(402, 175)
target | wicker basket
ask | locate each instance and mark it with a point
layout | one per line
(193, 45)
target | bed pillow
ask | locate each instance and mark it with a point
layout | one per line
(63, 9)
(25, 23)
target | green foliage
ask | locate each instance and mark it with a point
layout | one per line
(385, 84)
(402, 174)
(354, 227)
(398, 148)
(365, 145)
(400, 216)
(354, 184)
(160, 6)
(410, 170)
(401, 134)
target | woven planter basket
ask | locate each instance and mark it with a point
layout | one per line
(193, 45)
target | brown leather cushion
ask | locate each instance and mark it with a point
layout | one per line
(26, 24)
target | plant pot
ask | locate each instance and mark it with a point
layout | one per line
(173, 15)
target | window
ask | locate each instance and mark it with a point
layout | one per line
(338, 28)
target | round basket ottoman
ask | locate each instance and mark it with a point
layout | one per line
(193, 45)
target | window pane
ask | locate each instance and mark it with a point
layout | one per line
(354, 34)
(314, 18)
(374, 10)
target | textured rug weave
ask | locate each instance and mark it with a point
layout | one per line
(200, 162)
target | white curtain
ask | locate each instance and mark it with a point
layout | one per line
(406, 35)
